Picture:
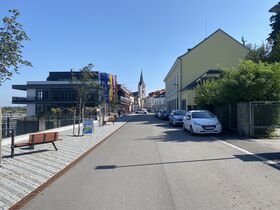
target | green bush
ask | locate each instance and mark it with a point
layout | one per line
(250, 82)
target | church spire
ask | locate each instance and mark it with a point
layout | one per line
(141, 82)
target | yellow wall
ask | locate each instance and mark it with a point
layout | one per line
(219, 50)
(188, 96)
(170, 82)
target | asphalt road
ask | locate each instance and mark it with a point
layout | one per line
(149, 165)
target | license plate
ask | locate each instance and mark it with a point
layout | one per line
(209, 127)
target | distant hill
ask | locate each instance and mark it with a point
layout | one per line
(13, 109)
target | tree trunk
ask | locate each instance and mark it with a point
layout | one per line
(74, 122)
(83, 117)
(80, 112)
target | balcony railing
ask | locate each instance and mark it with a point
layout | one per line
(23, 100)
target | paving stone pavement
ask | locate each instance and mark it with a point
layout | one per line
(30, 168)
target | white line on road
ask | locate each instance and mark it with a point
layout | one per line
(264, 160)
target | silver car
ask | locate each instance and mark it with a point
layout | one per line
(176, 117)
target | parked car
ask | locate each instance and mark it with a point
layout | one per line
(141, 111)
(164, 114)
(159, 113)
(200, 122)
(156, 113)
(176, 117)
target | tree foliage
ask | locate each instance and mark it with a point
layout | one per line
(86, 87)
(259, 53)
(250, 82)
(275, 26)
(274, 37)
(274, 55)
(11, 37)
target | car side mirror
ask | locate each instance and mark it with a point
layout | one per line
(188, 117)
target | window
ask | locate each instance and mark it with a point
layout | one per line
(40, 108)
(202, 115)
(40, 95)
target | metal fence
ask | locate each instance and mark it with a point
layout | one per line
(227, 115)
(34, 124)
(264, 118)
(252, 119)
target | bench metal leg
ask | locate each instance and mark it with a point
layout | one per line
(13, 144)
(12, 151)
(54, 146)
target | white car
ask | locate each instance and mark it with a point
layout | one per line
(141, 111)
(200, 122)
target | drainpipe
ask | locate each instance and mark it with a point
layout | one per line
(180, 81)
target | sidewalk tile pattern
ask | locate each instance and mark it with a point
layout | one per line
(30, 168)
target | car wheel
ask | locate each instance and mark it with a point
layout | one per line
(191, 131)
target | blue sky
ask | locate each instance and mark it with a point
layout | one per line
(123, 36)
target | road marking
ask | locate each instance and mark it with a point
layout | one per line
(264, 160)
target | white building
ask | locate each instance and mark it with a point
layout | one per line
(155, 100)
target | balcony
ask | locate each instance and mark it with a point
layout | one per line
(23, 100)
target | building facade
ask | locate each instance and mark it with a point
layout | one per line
(58, 91)
(217, 50)
(155, 100)
(125, 100)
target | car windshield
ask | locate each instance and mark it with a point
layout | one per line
(202, 115)
(166, 111)
(179, 113)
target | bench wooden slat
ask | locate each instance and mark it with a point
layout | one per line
(37, 138)
(22, 144)
(51, 136)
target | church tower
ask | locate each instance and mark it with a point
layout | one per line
(141, 90)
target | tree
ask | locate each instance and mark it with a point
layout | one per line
(250, 82)
(11, 37)
(259, 53)
(274, 55)
(274, 37)
(275, 25)
(87, 87)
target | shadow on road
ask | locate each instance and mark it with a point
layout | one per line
(245, 158)
(104, 167)
(272, 156)
(177, 135)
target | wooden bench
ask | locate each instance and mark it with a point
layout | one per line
(37, 138)
(111, 119)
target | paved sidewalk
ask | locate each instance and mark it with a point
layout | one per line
(29, 169)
